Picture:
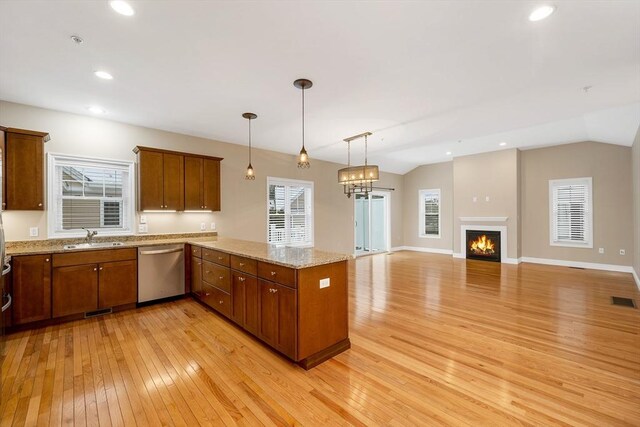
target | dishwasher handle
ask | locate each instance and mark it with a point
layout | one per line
(6, 269)
(161, 251)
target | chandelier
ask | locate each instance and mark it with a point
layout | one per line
(358, 179)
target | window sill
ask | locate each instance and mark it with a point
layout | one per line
(425, 236)
(572, 245)
(84, 234)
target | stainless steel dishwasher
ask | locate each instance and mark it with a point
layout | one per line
(160, 272)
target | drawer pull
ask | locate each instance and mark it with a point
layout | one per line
(206, 294)
(221, 277)
(242, 264)
(273, 290)
(220, 258)
(221, 301)
(207, 272)
(39, 204)
(242, 279)
(273, 273)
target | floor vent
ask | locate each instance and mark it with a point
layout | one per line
(96, 313)
(625, 302)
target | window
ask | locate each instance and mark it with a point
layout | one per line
(290, 212)
(89, 193)
(571, 214)
(429, 208)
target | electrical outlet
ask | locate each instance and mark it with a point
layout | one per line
(203, 226)
(475, 199)
(33, 231)
(213, 225)
(622, 252)
(143, 219)
(143, 228)
(325, 283)
(600, 250)
(486, 198)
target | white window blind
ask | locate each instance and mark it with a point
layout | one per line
(89, 193)
(571, 212)
(290, 212)
(429, 217)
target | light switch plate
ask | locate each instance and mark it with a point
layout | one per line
(33, 231)
(203, 226)
(143, 228)
(143, 219)
(325, 283)
(486, 198)
(213, 225)
(622, 252)
(600, 250)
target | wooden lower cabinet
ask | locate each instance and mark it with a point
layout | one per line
(216, 299)
(196, 275)
(31, 287)
(277, 316)
(244, 301)
(75, 289)
(117, 283)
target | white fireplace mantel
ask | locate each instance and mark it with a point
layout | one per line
(484, 218)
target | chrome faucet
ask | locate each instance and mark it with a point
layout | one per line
(90, 235)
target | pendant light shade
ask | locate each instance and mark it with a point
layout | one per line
(303, 158)
(250, 175)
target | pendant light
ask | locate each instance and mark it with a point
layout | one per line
(303, 158)
(358, 179)
(250, 174)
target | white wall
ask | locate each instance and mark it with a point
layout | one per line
(244, 203)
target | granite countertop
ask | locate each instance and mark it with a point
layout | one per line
(287, 256)
(50, 246)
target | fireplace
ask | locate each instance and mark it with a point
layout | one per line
(483, 245)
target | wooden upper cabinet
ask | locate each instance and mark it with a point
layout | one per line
(177, 181)
(150, 181)
(211, 184)
(23, 168)
(173, 182)
(193, 170)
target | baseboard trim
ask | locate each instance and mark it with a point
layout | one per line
(579, 264)
(636, 278)
(420, 249)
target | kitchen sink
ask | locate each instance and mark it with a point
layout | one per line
(92, 245)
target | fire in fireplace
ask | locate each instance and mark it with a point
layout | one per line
(483, 245)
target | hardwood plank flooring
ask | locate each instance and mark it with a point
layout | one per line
(435, 341)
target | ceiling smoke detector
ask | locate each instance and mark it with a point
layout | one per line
(77, 39)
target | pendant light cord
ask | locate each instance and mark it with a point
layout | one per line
(249, 141)
(365, 152)
(303, 87)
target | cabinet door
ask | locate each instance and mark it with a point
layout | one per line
(268, 307)
(75, 289)
(196, 276)
(211, 184)
(193, 197)
(24, 172)
(150, 181)
(3, 147)
(238, 281)
(251, 314)
(277, 306)
(173, 182)
(117, 283)
(31, 282)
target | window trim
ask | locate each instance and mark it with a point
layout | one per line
(287, 181)
(53, 159)
(588, 181)
(421, 213)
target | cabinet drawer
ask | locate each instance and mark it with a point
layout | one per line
(249, 266)
(215, 256)
(218, 276)
(277, 273)
(196, 251)
(94, 257)
(216, 299)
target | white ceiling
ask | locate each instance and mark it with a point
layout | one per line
(420, 75)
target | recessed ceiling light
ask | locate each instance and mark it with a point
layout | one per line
(448, 153)
(122, 7)
(502, 144)
(103, 75)
(77, 39)
(541, 12)
(96, 110)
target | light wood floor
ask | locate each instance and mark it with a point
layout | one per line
(436, 341)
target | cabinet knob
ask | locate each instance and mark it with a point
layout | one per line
(206, 294)
(46, 260)
(273, 273)
(39, 204)
(207, 272)
(242, 264)
(221, 301)
(100, 268)
(205, 207)
(273, 290)
(220, 258)
(242, 279)
(95, 269)
(221, 277)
